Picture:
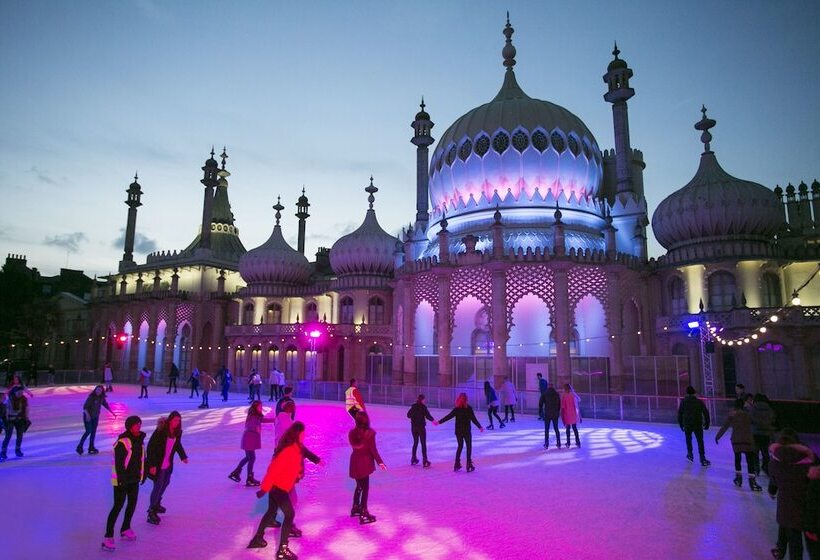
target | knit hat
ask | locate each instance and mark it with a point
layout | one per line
(131, 420)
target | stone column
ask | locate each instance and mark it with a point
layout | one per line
(445, 334)
(500, 332)
(562, 325)
(409, 349)
(803, 383)
(231, 357)
(217, 337)
(614, 322)
(170, 338)
(151, 349)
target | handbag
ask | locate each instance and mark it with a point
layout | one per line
(26, 424)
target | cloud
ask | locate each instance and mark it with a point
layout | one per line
(142, 243)
(42, 176)
(68, 241)
(334, 232)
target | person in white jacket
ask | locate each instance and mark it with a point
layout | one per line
(508, 400)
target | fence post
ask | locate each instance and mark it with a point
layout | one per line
(621, 401)
(594, 407)
(649, 408)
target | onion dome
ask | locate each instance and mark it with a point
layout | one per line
(275, 262)
(369, 250)
(616, 62)
(515, 148)
(422, 115)
(715, 209)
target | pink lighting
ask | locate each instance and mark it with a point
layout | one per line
(314, 334)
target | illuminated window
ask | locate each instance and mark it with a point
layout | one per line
(465, 149)
(346, 311)
(501, 142)
(482, 145)
(375, 311)
(771, 290)
(540, 141)
(557, 142)
(721, 291)
(520, 141)
(273, 314)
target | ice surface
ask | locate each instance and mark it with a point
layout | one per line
(627, 493)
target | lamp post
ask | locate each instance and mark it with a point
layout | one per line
(314, 337)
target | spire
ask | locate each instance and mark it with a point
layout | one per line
(616, 51)
(510, 89)
(278, 207)
(371, 189)
(704, 124)
(508, 52)
(302, 206)
(224, 156)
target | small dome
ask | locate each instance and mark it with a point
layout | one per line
(369, 250)
(274, 262)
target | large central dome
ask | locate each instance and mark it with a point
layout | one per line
(514, 151)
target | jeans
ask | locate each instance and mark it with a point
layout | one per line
(554, 422)
(462, 439)
(90, 430)
(194, 388)
(205, 398)
(751, 462)
(542, 403)
(493, 411)
(255, 390)
(249, 459)
(699, 437)
(144, 391)
(161, 481)
(419, 435)
(509, 410)
(762, 444)
(11, 425)
(121, 493)
(791, 540)
(574, 429)
(278, 499)
(361, 493)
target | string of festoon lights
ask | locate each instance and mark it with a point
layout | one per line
(765, 325)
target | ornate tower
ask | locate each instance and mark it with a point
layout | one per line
(422, 139)
(133, 202)
(618, 93)
(209, 180)
(302, 213)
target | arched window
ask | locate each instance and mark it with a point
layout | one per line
(721, 291)
(770, 294)
(375, 311)
(346, 311)
(311, 312)
(677, 297)
(247, 314)
(273, 314)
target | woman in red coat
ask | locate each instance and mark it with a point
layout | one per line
(284, 472)
(363, 461)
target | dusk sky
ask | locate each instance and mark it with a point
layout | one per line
(322, 94)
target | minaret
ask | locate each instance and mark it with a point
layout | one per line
(302, 213)
(619, 92)
(422, 139)
(133, 202)
(209, 180)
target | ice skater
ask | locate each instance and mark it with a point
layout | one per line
(743, 443)
(173, 375)
(287, 396)
(353, 400)
(571, 412)
(273, 379)
(251, 441)
(16, 418)
(207, 382)
(225, 378)
(91, 418)
(255, 387)
(464, 415)
(144, 377)
(283, 473)
(492, 405)
(417, 414)
(363, 460)
(284, 419)
(128, 472)
(693, 418)
(508, 399)
(108, 377)
(542, 389)
(552, 411)
(194, 381)
(763, 421)
(165, 442)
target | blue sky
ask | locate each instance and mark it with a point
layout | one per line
(321, 94)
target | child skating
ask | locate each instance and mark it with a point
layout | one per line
(363, 460)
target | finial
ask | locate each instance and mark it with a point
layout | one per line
(508, 52)
(278, 207)
(371, 189)
(704, 124)
(557, 214)
(136, 176)
(616, 51)
(443, 222)
(497, 216)
(212, 150)
(224, 156)
(303, 190)
(422, 105)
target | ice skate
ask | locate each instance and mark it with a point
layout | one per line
(108, 544)
(426, 464)
(470, 466)
(153, 518)
(490, 427)
(160, 509)
(366, 518)
(258, 541)
(295, 532)
(284, 553)
(93, 451)
(778, 553)
(251, 481)
(414, 461)
(234, 476)
(128, 535)
(79, 450)
(3, 456)
(355, 511)
(704, 462)
(753, 485)
(738, 480)
(457, 466)
(501, 426)
(690, 458)
(18, 453)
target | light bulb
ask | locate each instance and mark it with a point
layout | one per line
(774, 318)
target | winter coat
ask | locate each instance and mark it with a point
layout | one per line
(811, 515)
(145, 375)
(283, 422)
(542, 385)
(285, 469)
(569, 408)
(16, 405)
(552, 404)
(108, 375)
(129, 459)
(93, 403)
(252, 436)
(174, 373)
(491, 395)
(741, 424)
(508, 396)
(155, 452)
(788, 470)
(693, 414)
(417, 414)
(206, 381)
(763, 419)
(364, 456)
(464, 416)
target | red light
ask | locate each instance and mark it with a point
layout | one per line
(122, 337)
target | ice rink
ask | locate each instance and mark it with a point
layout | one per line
(627, 493)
